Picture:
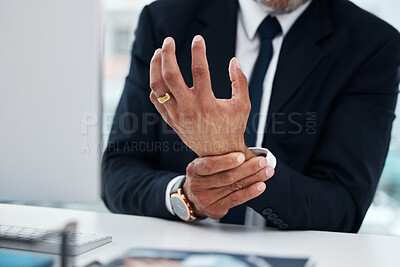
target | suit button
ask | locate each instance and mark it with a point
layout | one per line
(278, 222)
(283, 226)
(267, 211)
(272, 217)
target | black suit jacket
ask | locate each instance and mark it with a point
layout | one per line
(329, 120)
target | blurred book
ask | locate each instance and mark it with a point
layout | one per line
(23, 259)
(171, 258)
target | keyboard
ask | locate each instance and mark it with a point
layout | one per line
(48, 241)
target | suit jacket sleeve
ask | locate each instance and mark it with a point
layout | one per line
(132, 181)
(349, 159)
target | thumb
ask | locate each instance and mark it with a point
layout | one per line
(240, 90)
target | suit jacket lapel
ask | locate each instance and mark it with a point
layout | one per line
(299, 54)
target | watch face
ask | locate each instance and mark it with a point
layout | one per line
(179, 207)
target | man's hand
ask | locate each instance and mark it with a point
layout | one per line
(218, 183)
(207, 125)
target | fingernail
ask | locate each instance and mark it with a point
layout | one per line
(269, 171)
(240, 158)
(263, 162)
(197, 38)
(261, 187)
(167, 41)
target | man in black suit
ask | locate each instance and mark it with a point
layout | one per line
(323, 83)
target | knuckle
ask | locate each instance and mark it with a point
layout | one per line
(155, 84)
(194, 186)
(208, 165)
(198, 70)
(233, 187)
(235, 199)
(187, 113)
(237, 186)
(169, 75)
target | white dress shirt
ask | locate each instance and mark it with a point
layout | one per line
(250, 16)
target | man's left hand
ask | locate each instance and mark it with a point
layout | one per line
(207, 125)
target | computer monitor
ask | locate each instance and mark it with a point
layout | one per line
(50, 112)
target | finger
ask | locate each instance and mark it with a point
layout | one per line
(215, 164)
(157, 83)
(229, 177)
(260, 176)
(240, 91)
(170, 70)
(159, 87)
(217, 194)
(200, 69)
(239, 197)
(161, 108)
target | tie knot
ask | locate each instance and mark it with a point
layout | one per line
(269, 28)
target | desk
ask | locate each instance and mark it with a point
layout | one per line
(325, 248)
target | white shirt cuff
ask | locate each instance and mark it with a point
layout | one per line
(259, 151)
(170, 185)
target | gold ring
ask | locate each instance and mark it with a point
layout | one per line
(164, 98)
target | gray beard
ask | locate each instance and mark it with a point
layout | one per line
(292, 6)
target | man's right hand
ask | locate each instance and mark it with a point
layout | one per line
(216, 184)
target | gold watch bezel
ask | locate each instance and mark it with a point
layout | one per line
(179, 194)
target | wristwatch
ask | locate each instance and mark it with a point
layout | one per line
(180, 203)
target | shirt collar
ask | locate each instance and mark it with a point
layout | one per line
(252, 15)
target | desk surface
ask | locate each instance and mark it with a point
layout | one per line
(325, 248)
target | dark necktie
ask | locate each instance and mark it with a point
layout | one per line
(267, 30)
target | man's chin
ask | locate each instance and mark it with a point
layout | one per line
(279, 11)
